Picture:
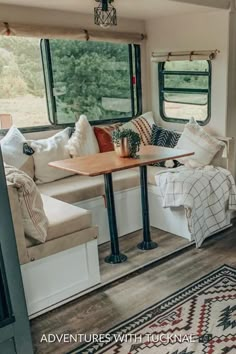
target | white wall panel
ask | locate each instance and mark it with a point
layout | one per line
(200, 31)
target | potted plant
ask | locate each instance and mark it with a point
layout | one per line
(126, 142)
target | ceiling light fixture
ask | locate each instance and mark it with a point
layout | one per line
(105, 14)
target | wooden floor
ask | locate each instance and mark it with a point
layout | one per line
(99, 311)
(167, 243)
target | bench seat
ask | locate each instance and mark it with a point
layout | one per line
(75, 189)
(63, 219)
(66, 264)
(152, 171)
(69, 226)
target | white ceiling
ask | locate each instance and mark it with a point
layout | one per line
(138, 9)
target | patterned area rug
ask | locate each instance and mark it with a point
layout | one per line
(199, 319)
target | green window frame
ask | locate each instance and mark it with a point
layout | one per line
(184, 92)
(134, 60)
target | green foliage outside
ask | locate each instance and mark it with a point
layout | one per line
(88, 77)
(91, 78)
(20, 67)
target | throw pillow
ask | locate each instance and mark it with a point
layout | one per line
(31, 205)
(48, 150)
(143, 126)
(83, 141)
(195, 138)
(12, 146)
(104, 136)
(165, 138)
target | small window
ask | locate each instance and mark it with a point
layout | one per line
(22, 91)
(185, 90)
(99, 79)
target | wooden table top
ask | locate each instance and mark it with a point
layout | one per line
(107, 162)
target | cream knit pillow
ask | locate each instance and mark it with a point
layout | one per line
(195, 138)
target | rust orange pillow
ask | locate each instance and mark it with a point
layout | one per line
(104, 139)
(104, 136)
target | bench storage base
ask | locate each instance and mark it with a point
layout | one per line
(128, 213)
(53, 279)
(172, 220)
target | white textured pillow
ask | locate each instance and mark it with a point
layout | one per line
(194, 138)
(83, 141)
(12, 151)
(48, 150)
(31, 205)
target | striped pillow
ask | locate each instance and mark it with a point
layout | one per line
(143, 126)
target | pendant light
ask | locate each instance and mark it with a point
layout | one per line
(105, 14)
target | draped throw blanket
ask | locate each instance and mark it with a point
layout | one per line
(34, 219)
(205, 193)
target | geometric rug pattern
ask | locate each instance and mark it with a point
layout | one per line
(199, 319)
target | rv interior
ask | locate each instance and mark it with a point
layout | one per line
(117, 136)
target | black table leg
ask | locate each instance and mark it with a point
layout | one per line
(147, 243)
(116, 256)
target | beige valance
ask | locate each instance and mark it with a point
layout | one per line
(191, 55)
(49, 32)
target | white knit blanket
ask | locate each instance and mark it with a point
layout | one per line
(205, 193)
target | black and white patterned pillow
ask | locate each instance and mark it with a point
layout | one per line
(165, 138)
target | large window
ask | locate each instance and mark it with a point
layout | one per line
(22, 92)
(185, 90)
(55, 81)
(99, 79)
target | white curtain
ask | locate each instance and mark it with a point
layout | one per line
(192, 55)
(48, 32)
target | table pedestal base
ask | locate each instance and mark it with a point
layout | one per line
(147, 245)
(114, 259)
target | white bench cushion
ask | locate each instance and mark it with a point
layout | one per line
(63, 219)
(152, 171)
(78, 188)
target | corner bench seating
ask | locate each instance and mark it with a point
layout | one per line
(67, 263)
(72, 228)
